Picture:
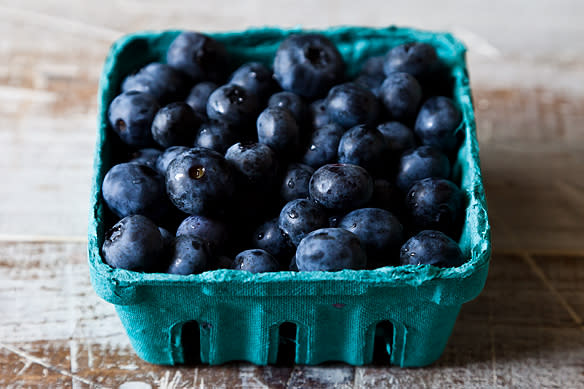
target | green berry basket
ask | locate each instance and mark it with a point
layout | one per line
(226, 315)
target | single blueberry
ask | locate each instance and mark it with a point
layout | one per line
(435, 204)
(437, 122)
(200, 182)
(350, 104)
(401, 95)
(341, 187)
(278, 129)
(416, 58)
(295, 183)
(323, 145)
(133, 243)
(163, 82)
(299, 217)
(232, 104)
(130, 115)
(365, 146)
(146, 157)
(380, 232)
(199, 56)
(330, 249)
(134, 189)
(198, 97)
(399, 138)
(373, 66)
(256, 261)
(191, 255)
(175, 125)
(431, 248)
(256, 78)
(292, 102)
(318, 115)
(168, 156)
(308, 65)
(255, 161)
(211, 230)
(271, 238)
(216, 136)
(419, 163)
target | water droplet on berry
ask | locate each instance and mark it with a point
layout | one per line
(412, 254)
(197, 172)
(312, 147)
(293, 214)
(121, 125)
(291, 184)
(260, 236)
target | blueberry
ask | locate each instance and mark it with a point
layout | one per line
(292, 102)
(256, 78)
(373, 66)
(435, 204)
(341, 187)
(232, 104)
(386, 196)
(130, 115)
(256, 261)
(330, 249)
(437, 122)
(134, 189)
(199, 56)
(210, 230)
(370, 82)
(163, 82)
(190, 255)
(380, 232)
(399, 138)
(271, 238)
(216, 136)
(146, 157)
(200, 181)
(323, 145)
(416, 58)
(278, 129)
(431, 248)
(198, 97)
(318, 115)
(255, 161)
(168, 156)
(365, 146)
(420, 163)
(295, 183)
(350, 104)
(401, 95)
(308, 65)
(133, 243)
(299, 217)
(175, 125)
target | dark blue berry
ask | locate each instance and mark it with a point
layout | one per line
(278, 129)
(198, 97)
(380, 232)
(292, 102)
(295, 183)
(255, 161)
(330, 249)
(301, 216)
(341, 187)
(199, 56)
(373, 66)
(256, 261)
(146, 157)
(308, 65)
(191, 255)
(211, 230)
(365, 146)
(232, 104)
(216, 136)
(398, 137)
(318, 115)
(168, 156)
(175, 125)
(134, 189)
(130, 115)
(437, 122)
(435, 204)
(431, 248)
(256, 78)
(323, 145)
(420, 163)
(401, 95)
(163, 82)
(271, 238)
(200, 182)
(350, 104)
(134, 243)
(416, 58)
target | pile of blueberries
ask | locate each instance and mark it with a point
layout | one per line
(291, 168)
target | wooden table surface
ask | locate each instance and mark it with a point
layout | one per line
(525, 330)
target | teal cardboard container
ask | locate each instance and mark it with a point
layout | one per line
(238, 314)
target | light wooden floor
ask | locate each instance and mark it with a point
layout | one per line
(527, 67)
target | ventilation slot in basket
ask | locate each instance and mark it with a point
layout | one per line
(287, 343)
(383, 343)
(191, 343)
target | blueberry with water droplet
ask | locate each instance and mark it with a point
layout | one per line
(431, 248)
(299, 217)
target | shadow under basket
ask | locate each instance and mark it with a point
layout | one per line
(404, 315)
